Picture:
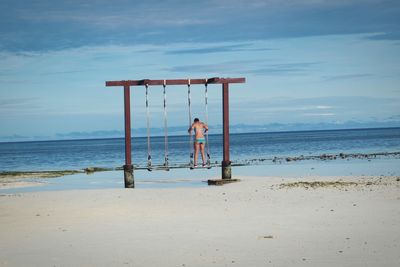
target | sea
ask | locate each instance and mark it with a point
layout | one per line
(254, 152)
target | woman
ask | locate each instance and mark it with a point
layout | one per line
(199, 142)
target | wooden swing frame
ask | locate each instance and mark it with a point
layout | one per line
(226, 163)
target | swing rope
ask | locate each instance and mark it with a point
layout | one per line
(148, 128)
(190, 125)
(206, 121)
(165, 126)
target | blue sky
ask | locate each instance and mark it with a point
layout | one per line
(305, 62)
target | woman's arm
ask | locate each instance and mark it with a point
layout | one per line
(190, 129)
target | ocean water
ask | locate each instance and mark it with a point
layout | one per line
(79, 154)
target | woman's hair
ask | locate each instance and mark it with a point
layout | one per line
(196, 120)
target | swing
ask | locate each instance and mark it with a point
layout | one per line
(191, 145)
(191, 162)
(165, 166)
(206, 120)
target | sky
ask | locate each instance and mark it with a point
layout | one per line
(306, 62)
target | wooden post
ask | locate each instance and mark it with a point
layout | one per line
(128, 168)
(226, 163)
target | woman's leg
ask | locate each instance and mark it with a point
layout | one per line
(196, 151)
(202, 153)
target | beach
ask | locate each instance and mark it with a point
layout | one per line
(259, 221)
(200, 133)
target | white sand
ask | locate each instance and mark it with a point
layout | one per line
(13, 183)
(250, 223)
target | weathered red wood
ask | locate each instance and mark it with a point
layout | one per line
(225, 121)
(215, 80)
(127, 111)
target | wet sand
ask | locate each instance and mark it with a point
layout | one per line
(259, 221)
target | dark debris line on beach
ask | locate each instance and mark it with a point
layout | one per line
(37, 174)
(49, 174)
(340, 184)
(246, 162)
(323, 157)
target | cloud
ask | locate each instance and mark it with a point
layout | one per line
(326, 102)
(323, 107)
(35, 107)
(247, 67)
(111, 15)
(394, 35)
(223, 67)
(319, 114)
(346, 76)
(11, 103)
(49, 25)
(67, 72)
(218, 49)
(283, 69)
(318, 108)
(288, 106)
(9, 81)
(13, 106)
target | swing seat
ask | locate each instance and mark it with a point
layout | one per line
(207, 166)
(200, 167)
(152, 168)
(159, 168)
(175, 166)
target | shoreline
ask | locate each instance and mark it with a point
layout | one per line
(375, 164)
(259, 221)
(246, 162)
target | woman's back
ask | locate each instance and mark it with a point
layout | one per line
(199, 128)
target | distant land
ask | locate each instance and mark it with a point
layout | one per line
(214, 129)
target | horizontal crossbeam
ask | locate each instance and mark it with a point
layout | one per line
(215, 80)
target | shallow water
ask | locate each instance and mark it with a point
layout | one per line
(79, 154)
(197, 178)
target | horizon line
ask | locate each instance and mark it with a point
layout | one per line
(179, 135)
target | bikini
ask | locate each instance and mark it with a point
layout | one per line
(199, 140)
